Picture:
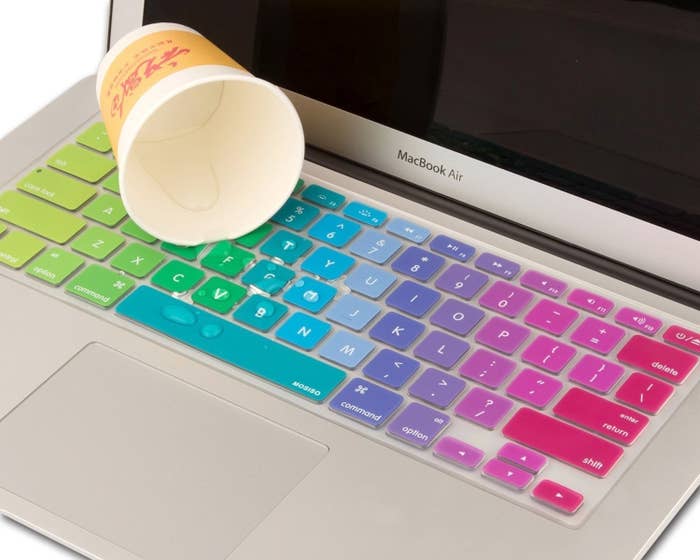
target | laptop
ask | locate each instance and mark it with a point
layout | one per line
(473, 331)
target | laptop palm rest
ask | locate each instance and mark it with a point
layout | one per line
(147, 462)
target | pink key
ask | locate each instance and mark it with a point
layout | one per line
(487, 368)
(543, 284)
(638, 321)
(548, 354)
(655, 357)
(522, 457)
(507, 474)
(685, 338)
(551, 317)
(535, 388)
(501, 334)
(483, 407)
(588, 301)
(456, 451)
(557, 496)
(645, 393)
(597, 335)
(596, 373)
(505, 298)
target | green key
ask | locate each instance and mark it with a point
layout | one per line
(100, 286)
(97, 243)
(107, 209)
(17, 248)
(187, 253)
(96, 138)
(219, 295)
(177, 277)
(54, 266)
(299, 186)
(57, 188)
(251, 239)
(3, 227)
(111, 183)
(131, 229)
(81, 163)
(138, 260)
(227, 259)
(38, 217)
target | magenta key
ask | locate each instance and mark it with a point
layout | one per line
(501, 334)
(483, 407)
(588, 301)
(506, 299)
(507, 474)
(551, 317)
(522, 457)
(487, 368)
(532, 387)
(458, 452)
(543, 284)
(638, 321)
(596, 373)
(418, 425)
(597, 335)
(549, 354)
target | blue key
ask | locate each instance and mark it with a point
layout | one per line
(396, 330)
(413, 298)
(303, 331)
(497, 265)
(323, 197)
(375, 246)
(353, 312)
(418, 263)
(366, 402)
(346, 349)
(295, 214)
(286, 246)
(369, 280)
(391, 368)
(310, 294)
(365, 214)
(327, 263)
(260, 312)
(452, 248)
(408, 230)
(268, 277)
(334, 230)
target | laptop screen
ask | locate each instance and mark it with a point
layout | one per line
(598, 98)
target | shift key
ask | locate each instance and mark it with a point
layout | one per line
(81, 163)
(38, 217)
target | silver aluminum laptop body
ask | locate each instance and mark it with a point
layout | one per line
(123, 444)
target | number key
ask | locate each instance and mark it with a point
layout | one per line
(418, 263)
(334, 230)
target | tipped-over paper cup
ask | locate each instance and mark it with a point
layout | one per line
(206, 150)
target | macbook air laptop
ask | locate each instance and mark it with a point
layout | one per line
(472, 332)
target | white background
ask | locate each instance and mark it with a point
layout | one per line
(46, 46)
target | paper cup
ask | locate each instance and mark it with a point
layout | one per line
(206, 150)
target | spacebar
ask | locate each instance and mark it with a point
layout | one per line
(231, 343)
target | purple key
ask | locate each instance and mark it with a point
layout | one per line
(596, 373)
(507, 474)
(597, 335)
(457, 317)
(505, 298)
(414, 299)
(396, 330)
(461, 281)
(501, 334)
(638, 321)
(483, 407)
(487, 368)
(522, 457)
(442, 349)
(543, 284)
(588, 301)
(532, 387)
(458, 452)
(548, 354)
(366, 402)
(497, 265)
(452, 248)
(418, 425)
(437, 388)
(551, 317)
(391, 368)
(418, 263)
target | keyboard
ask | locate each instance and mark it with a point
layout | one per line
(518, 379)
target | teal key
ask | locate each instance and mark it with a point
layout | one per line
(365, 214)
(323, 197)
(235, 345)
(310, 294)
(268, 277)
(303, 331)
(334, 230)
(286, 246)
(295, 214)
(260, 312)
(327, 263)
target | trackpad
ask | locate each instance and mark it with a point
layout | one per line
(146, 461)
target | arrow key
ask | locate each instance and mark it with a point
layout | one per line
(457, 452)
(522, 457)
(508, 475)
(557, 496)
